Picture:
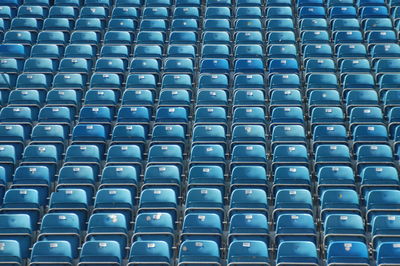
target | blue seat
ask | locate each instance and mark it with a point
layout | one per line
(285, 98)
(249, 66)
(79, 51)
(248, 226)
(17, 227)
(381, 202)
(10, 252)
(187, 51)
(286, 115)
(388, 253)
(255, 81)
(243, 175)
(297, 252)
(153, 226)
(75, 65)
(247, 201)
(327, 154)
(150, 26)
(202, 226)
(26, 24)
(209, 176)
(19, 37)
(93, 24)
(110, 65)
(40, 65)
(347, 252)
(339, 201)
(94, 12)
(215, 51)
(326, 115)
(85, 37)
(319, 24)
(383, 176)
(248, 51)
(291, 177)
(318, 51)
(186, 12)
(218, 12)
(158, 200)
(288, 134)
(51, 251)
(204, 200)
(285, 24)
(295, 227)
(248, 25)
(311, 12)
(352, 51)
(120, 176)
(119, 25)
(107, 82)
(108, 227)
(58, 24)
(151, 251)
(343, 226)
(249, 115)
(117, 37)
(46, 51)
(284, 66)
(248, 154)
(100, 251)
(242, 251)
(289, 154)
(61, 11)
(133, 97)
(249, 37)
(155, 13)
(342, 12)
(323, 65)
(279, 12)
(194, 251)
(290, 201)
(125, 12)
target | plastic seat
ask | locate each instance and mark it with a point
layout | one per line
(342, 226)
(342, 12)
(248, 12)
(203, 226)
(124, 12)
(213, 81)
(279, 12)
(388, 253)
(155, 13)
(151, 29)
(181, 51)
(46, 51)
(247, 201)
(381, 202)
(40, 65)
(215, 51)
(51, 251)
(285, 24)
(248, 154)
(339, 201)
(193, 251)
(248, 25)
(155, 252)
(85, 37)
(19, 37)
(158, 200)
(79, 51)
(10, 252)
(319, 24)
(17, 227)
(248, 252)
(218, 12)
(242, 81)
(289, 154)
(323, 65)
(289, 201)
(100, 251)
(347, 252)
(352, 51)
(248, 227)
(186, 12)
(68, 12)
(248, 37)
(295, 227)
(117, 37)
(147, 66)
(297, 252)
(243, 175)
(326, 154)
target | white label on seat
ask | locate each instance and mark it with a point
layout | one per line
(112, 192)
(248, 191)
(76, 169)
(246, 244)
(206, 170)
(344, 218)
(204, 191)
(151, 245)
(162, 169)
(102, 244)
(53, 245)
(293, 170)
(294, 217)
(391, 218)
(249, 217)
(292, 192)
